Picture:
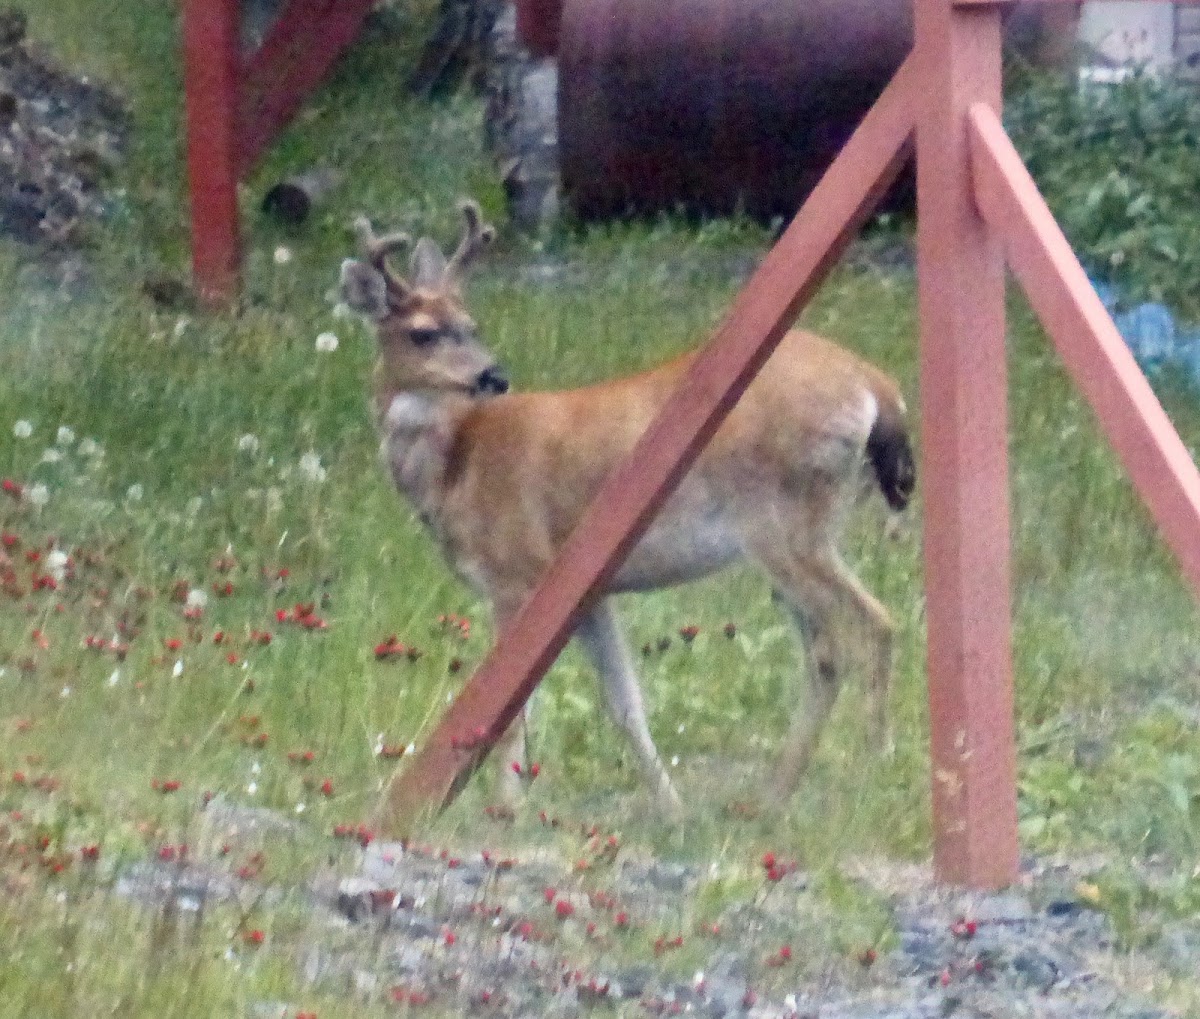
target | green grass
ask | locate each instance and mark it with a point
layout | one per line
(1106, 657)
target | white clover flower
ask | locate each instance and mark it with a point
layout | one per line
(51, 456)
(196, 598)
(300, 808)
(56, 565)
(181, 327)
(115, 678)
(252, 788)
(674, 760)
(410, 750)
(248, 443)
(90, 447)
(65, 436)
(342, 311)
(255, 768)
(310, 467)
(135, 493)
(283, 255)
(23, 429)
(177, 670)
(327, 343)
(39, 495)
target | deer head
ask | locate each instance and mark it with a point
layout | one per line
(427, 342)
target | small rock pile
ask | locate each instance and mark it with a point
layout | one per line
(61, 139)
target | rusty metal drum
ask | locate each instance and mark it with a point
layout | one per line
(713, 106)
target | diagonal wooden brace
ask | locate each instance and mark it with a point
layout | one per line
(1093, 351)
(625, 506)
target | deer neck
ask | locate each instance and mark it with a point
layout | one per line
(417, 429)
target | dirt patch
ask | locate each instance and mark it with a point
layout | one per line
(62, 138)
(467, 931)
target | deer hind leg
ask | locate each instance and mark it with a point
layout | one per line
(608, 652)
(816, 591)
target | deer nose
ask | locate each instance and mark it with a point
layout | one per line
(491, 380)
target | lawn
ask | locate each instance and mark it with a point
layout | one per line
(237, 554)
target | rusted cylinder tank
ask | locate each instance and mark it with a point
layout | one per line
(719, 105)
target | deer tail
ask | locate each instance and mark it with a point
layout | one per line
(890, 451)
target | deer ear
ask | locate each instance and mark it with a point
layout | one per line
(364, 290)
(427, 265)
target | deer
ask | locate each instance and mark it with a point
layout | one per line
(500, 478)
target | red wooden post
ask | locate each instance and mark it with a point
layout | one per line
(1098, 359)
(965, 458)
(212, 72)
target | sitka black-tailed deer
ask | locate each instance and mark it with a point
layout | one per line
(501, 478)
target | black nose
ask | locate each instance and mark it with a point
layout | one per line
(491, 380)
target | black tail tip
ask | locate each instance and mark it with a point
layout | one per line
(891, 456)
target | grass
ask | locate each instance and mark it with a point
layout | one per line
(1106, 657)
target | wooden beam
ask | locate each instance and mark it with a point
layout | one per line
(212, 79)
(630, 497)
(1092, 349)
(964, 459)
(297, 54)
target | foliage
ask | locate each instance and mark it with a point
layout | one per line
(1118, 165)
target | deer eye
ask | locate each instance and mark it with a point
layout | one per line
(424, 337)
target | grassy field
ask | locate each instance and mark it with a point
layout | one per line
(180, 452)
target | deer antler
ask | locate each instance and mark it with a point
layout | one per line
(477, 235)
(375, 249)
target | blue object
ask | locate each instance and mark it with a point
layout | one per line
(1149, 330)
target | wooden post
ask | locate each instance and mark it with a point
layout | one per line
(965, 458)
(212, 77)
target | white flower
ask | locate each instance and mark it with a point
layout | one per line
(115, 678)
(196, 598)
(51, 456)
(310, 467)
(300, 808)
(22, 429)
(342, 311)
(39, 495)
(410, 750)
(248, 443)
(65, 436)
(177, 671)
(195, 504)
(675, 761)
(135, 493)
(56, 565)
(256, 768)
(283, 255)
(327, 343)
(252, 788)
(66, 692)
(90, 447)
(181, 326)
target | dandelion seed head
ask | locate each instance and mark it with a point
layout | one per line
(196, 598)
(327, 343)
(23, 429)
(39, 495)
(283, 255)
(310, 467)
(248, 443)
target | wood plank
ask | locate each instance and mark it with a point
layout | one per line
(296, 56)
(629, 498)
(212, 79)
(1095, 355)
(964, 437)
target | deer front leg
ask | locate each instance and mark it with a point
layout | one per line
(608, 652)
(509, 755)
